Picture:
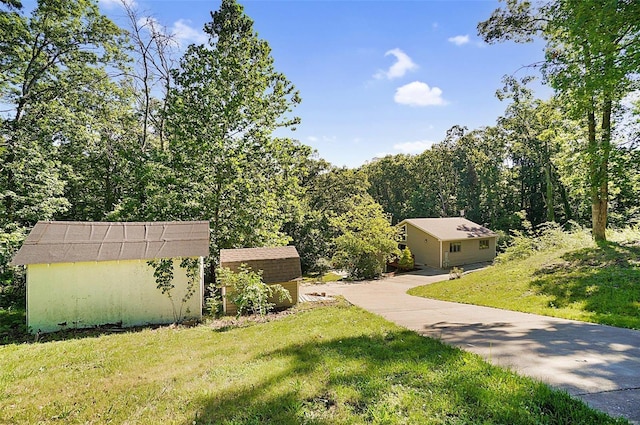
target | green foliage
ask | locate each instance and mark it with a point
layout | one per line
(322, 266)
(591, 60)
(12, 279)
(547, 236)
(235, 174)
(406, 262)
(248, 292)
(367, 240)
(164, 274)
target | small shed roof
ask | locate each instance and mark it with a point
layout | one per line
(278, 264)
(68, 241)
(451, 228)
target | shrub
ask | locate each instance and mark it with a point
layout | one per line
(455, 273)
(12, 279)
(406, 260)
(322, 266)
(547, 236)
(248, 292)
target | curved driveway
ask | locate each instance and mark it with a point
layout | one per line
(599, 364)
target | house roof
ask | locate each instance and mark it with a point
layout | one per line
(451, 228)
(68, 241)
(278, 264)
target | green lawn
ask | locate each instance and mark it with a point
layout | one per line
(592, 283)
(326, 365)
(327, 277)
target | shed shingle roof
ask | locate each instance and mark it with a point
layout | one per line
(67, 241)
(451, 228)
(279, 264)
(248, 254)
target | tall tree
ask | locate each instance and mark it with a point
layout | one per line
(592, 60)
(51, 60)
(227, 166)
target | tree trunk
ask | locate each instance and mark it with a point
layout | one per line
(599, 170)
(600, 185)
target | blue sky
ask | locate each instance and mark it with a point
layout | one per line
(375, 77)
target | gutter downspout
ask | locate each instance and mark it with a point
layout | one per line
(440, 241)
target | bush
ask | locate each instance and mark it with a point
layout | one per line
(213, 303)
(12, 279)
(547, 236)
(248, 292)
(406, 260)
(322, 267)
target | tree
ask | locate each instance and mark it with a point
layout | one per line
(367, 239)
(592, 59)
(391, 184)
(225, 164)
(51, 64)
(153, 48)
(328, 192)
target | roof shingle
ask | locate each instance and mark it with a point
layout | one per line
(451, 228)
(68, 241)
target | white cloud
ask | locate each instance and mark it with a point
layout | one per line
(459, 40)
(418, 94)
(321, 139)
(110, 4)
(185, 34)
(413, 147)
(402, 65)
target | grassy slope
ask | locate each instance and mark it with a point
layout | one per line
(324, 366)
(587, 282)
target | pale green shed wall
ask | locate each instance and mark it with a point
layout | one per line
(88, 294)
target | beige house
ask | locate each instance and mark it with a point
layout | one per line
(447, 242)
(86, 274)
(279, 265)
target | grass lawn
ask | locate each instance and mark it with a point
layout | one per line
(588, 282)
(327, 277)
(326, 365)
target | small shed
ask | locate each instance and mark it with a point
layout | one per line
(279, 265)
(447, 242)
(87, 274)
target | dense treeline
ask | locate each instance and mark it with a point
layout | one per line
(104, 123)
(529, 167)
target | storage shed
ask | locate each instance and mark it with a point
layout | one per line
(447, 242)
(279, 265)
(86, 274)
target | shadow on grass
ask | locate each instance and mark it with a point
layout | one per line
(603, 279)
(399, 377)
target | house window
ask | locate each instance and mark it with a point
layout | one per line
(401, 246)
(484, 244)
(403, 233)
(455, 247)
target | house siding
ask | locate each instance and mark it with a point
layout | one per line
(88, 294)
(424, 247)
(470, 252)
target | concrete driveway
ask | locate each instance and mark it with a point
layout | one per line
(599, 364)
